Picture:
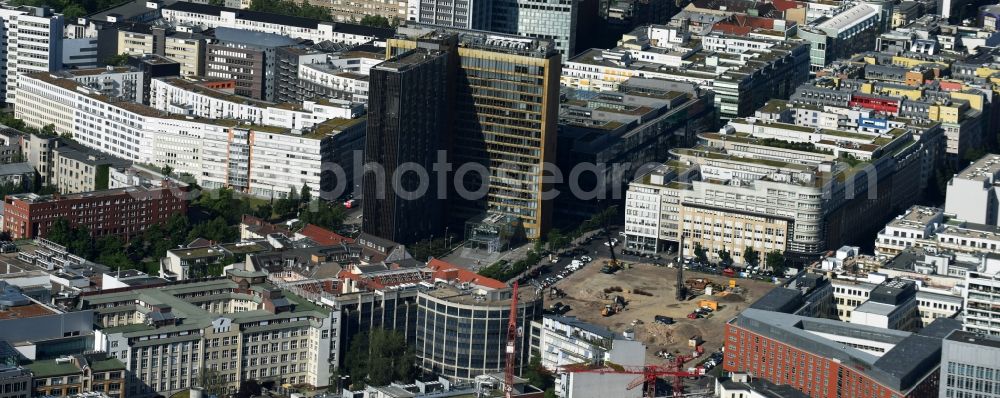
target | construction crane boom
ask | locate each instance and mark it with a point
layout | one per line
(511, 345)
(648, 375)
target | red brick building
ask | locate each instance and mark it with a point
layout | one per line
(115, 212)
(833, 359)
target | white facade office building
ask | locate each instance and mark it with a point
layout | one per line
(969, 366)
(183, 13)
(974, 193)
(190, 98)
(738, 191)
(32, 42)
(553, 20)
(567, 340)
(919, 222)
(982, 300)
(282, 149)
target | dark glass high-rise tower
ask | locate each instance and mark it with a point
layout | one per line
(504, 116)
(408, 124)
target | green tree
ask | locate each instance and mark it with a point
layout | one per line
(60, 232)
(49, 130)
(378, 358)
(248, 389)
(775, 260)
(217, 230)
(537, 375)
(751, 256)
(376, 21)
(284, 208)
(211, 381)
(287, 7)
(8, 119)
(324, 214)
(46, 190)
(73, 11)
(725, 258)
(117, 60)
(305, 194)
(110, 251)
(264, 211)
(557, 240)
(76, 239)
(700, 253)
(223, 203)
(425, 249)
(167, 170)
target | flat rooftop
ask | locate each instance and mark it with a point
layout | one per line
(917, 217)
(872, 307)
(26, 311)
(912, 357)
(985, 169)
(183, 298)
(973, 338)
(585, 326)
(465, 297)
(36, 198)
(408, 60)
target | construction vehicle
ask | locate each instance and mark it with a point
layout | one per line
(608, 310)
(616, 306)
(710, 304)
(611, 266)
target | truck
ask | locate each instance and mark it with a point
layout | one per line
(709, 304)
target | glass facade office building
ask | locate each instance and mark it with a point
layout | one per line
(506, 98)
(462, 334)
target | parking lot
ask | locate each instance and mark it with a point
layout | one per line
(649, 291)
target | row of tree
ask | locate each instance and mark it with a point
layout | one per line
(557, 239)
(214, 215)
(378, 358)
(774, 260)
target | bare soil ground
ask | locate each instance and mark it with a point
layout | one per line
(650, 291)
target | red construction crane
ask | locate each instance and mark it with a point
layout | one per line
(511, 345)
(648, 375)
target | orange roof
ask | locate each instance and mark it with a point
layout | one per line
(783, 5)
(447, 271)
(323, 236)
(26, 311)
(739, 24)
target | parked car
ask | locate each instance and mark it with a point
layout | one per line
(8, 247)
(666, 320)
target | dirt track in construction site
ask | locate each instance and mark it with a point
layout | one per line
(649, 291)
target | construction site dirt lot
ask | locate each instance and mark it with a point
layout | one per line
(650, 291)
